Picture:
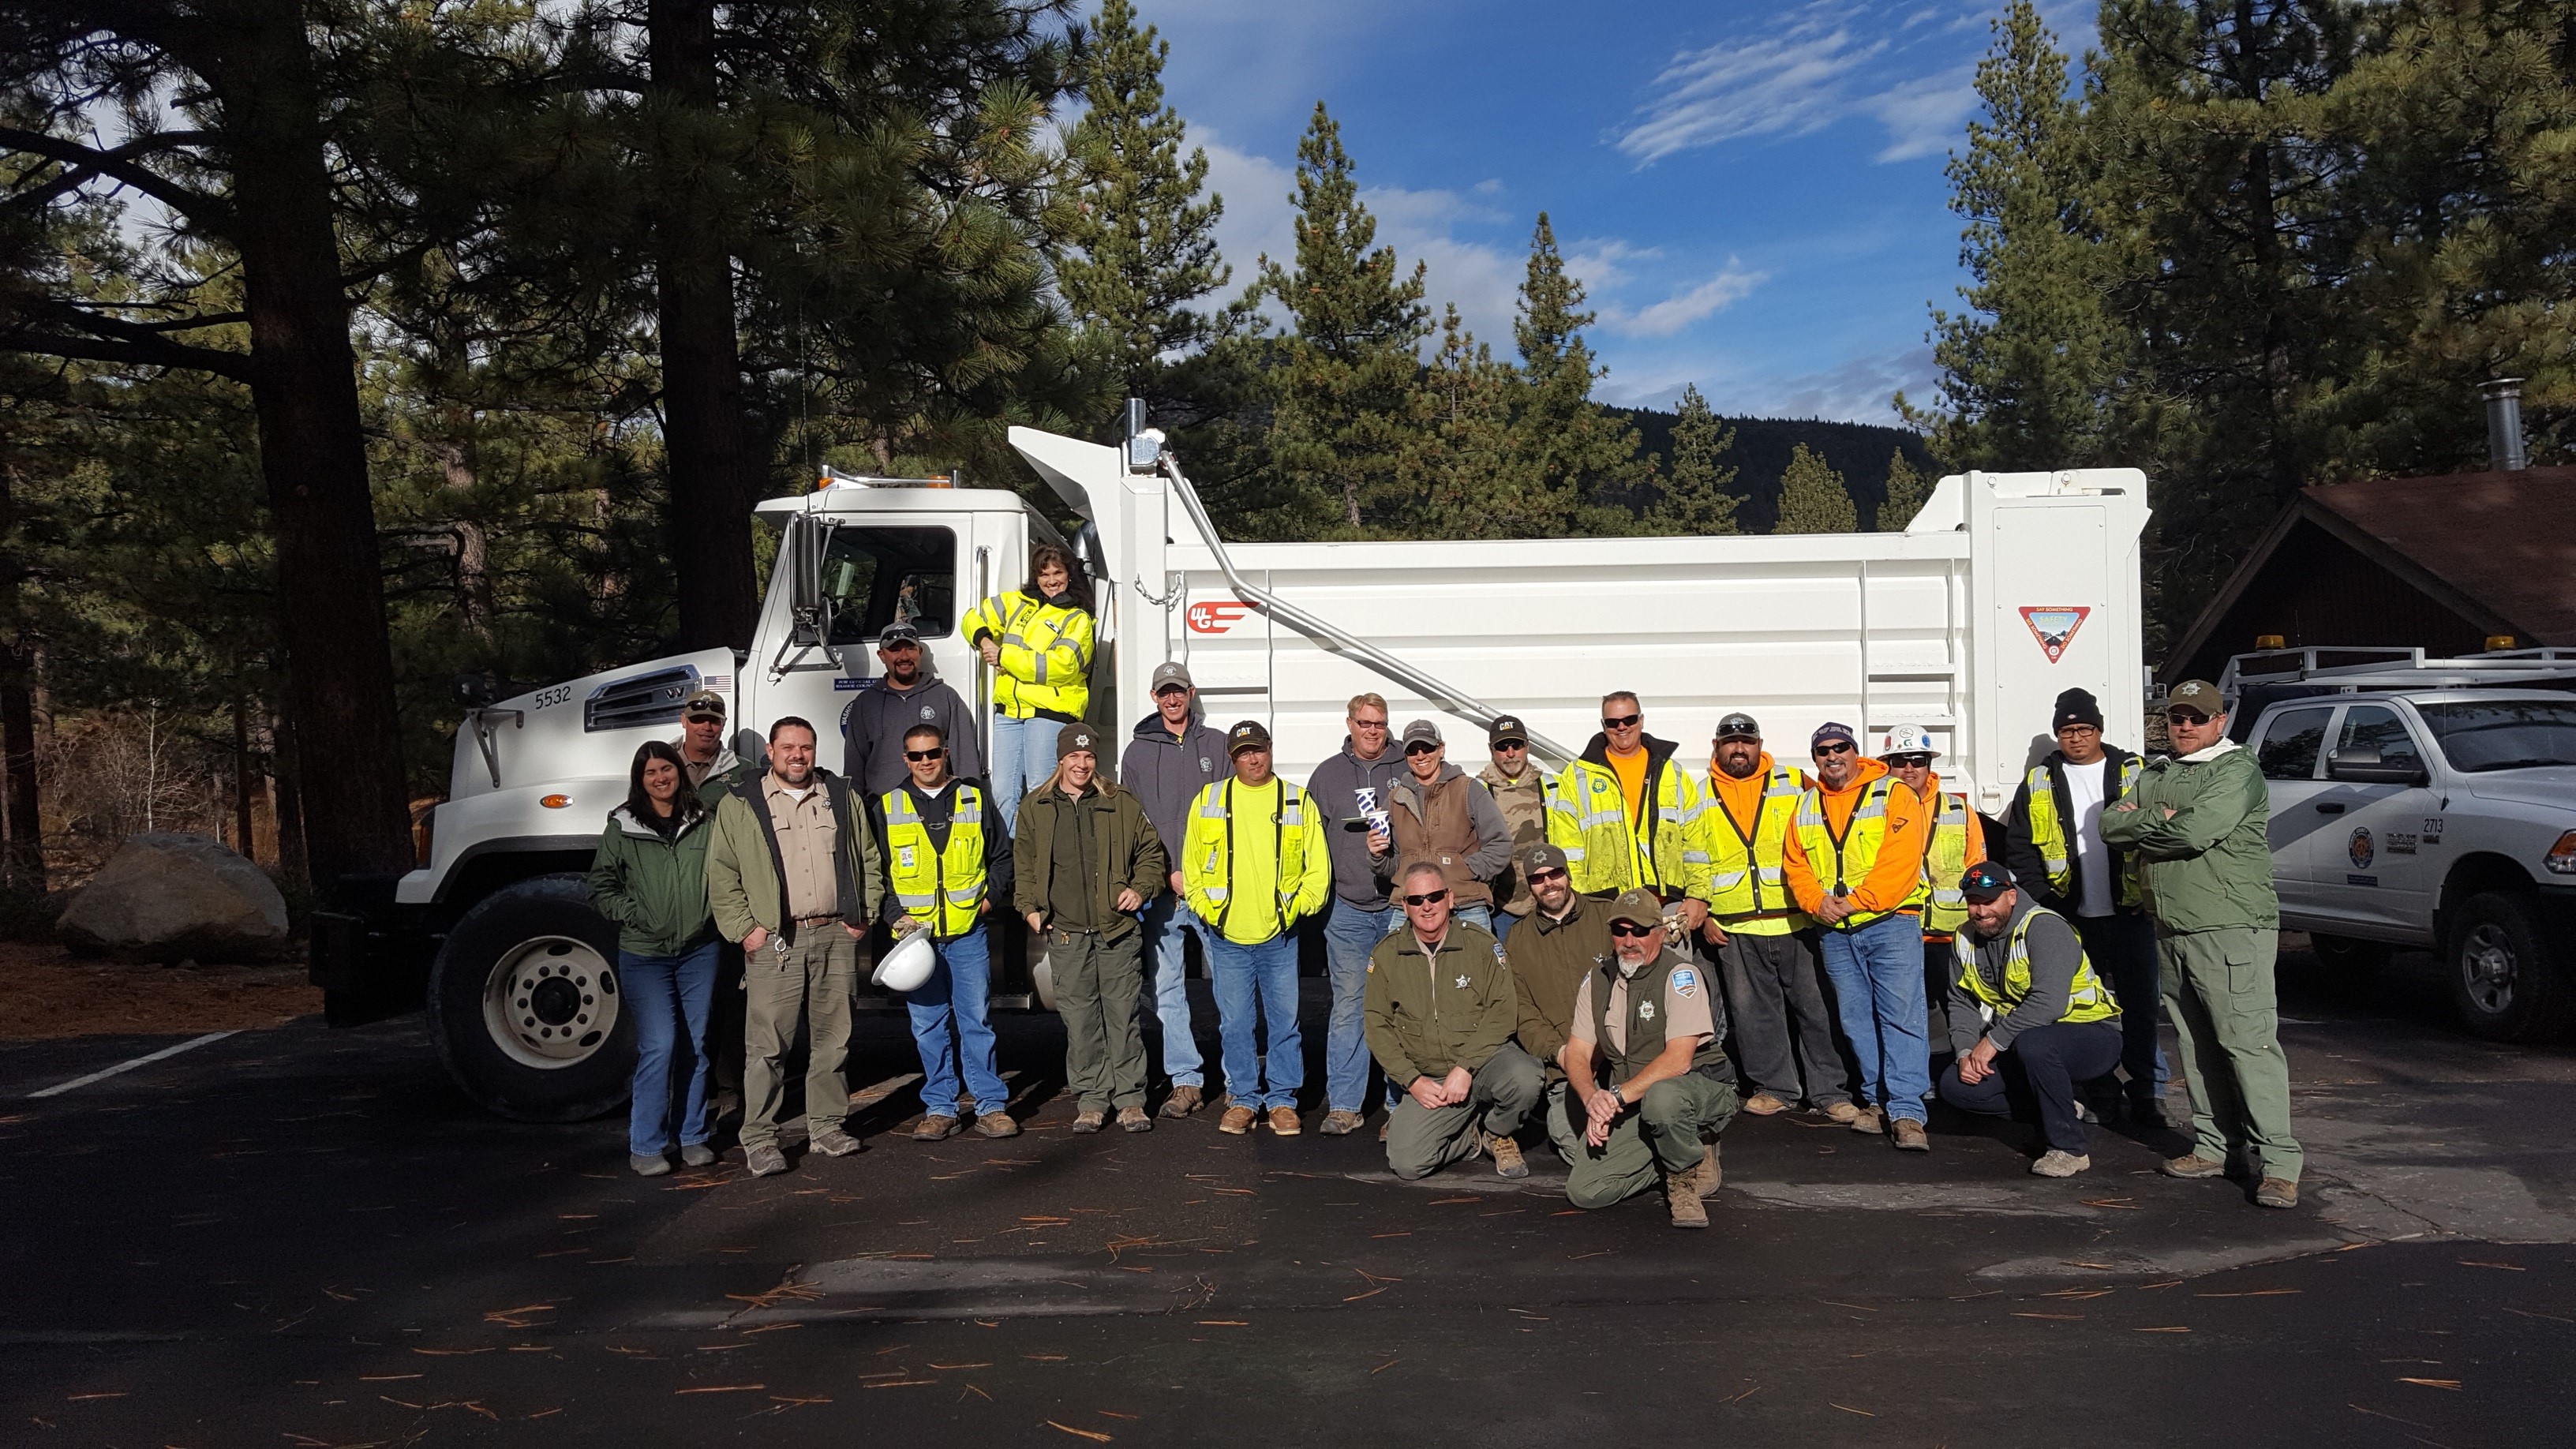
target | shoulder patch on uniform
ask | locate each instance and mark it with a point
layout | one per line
(1685, 982)
(1498, 953)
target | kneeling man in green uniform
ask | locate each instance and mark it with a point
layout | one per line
(1438, 1013)
(1652, 1088)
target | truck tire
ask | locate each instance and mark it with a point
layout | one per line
(525, 1007)
(2504, 980)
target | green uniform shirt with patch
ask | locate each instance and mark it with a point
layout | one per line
(1667, 997)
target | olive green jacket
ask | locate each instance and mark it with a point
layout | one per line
(1126, 854)
(1426, 1015)
(653, 888)
(2199, 833)
(743, 867)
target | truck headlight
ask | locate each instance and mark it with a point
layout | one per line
(2561, 858)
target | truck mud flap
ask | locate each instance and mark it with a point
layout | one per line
(367, 973)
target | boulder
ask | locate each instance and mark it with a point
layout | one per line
(163, 897)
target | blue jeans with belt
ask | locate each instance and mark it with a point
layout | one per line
(669, 997)
(1350, 934)
(955, 993)
(1877, 973)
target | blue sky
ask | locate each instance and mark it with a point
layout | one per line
(1753, 194)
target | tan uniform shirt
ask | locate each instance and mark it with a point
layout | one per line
(1685, 1008)
(807, 836)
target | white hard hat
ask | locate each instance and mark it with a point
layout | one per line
(908, 966)
(1908, 740)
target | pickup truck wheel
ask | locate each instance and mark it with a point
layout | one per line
(2503, 979)
(525, 1007)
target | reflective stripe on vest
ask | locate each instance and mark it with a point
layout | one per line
(2087, 999)
(1944, 861)
(1747, 879)
(940, 888)
(2049, 837)
(1855, 852)
(1603, 852)
(1287, 851)
(1038, 627)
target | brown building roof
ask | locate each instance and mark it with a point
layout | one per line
(2437, 562)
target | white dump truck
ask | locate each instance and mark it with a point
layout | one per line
(2003, 591)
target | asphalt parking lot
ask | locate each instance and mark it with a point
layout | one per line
(304, 1237)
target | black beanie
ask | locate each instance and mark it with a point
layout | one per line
(2076, 706)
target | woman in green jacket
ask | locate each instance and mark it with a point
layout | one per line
(650, 877)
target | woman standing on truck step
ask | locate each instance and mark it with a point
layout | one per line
(650, 878)
(1037, 639)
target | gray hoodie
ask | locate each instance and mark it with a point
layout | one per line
(873, 731)
(1336, 787)
(1167, 773)
(2054, 950)
(1479, 859)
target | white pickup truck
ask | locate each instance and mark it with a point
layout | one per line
(2427, 803)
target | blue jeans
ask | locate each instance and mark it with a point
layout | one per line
(1168, 927)
(668, 997)
(955, 993)
(1877, 973)
(1023, 758)
(1258, 980)
(1503, 923)
(1479, 915)
(1350, 934)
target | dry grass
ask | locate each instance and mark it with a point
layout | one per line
(45, 993)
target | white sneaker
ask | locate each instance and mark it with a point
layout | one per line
(2054, 1163)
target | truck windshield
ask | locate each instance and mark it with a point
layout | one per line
(2517, 734)
(874, 576)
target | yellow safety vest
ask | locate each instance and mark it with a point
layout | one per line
(2057, 851)
(940, 888)
(1046, 655)
(1945, 859)
(1587, 818)
(1856, 852)
(1745, 889)
(1241, 912)
(2086, 1000)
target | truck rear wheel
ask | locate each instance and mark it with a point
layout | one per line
(2503, 978)
(525, 1006)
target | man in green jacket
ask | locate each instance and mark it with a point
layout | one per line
(1438, 1012)
(2196, 822)
(791, 873)
(1084, 862)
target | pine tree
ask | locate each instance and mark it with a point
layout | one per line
(1813, 498)
(1692, 496)
(1141, 247)
(1465, 474)
(1907, 492)
(1584, 459)
(1343, 380)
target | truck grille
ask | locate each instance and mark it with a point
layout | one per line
(646, 699)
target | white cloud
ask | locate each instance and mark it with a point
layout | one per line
(1682, 309)
(1926, 117)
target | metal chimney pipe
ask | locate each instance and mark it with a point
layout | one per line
(2504, 424)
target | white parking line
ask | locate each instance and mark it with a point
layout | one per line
(127, 1066)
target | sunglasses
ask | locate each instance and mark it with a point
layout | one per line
(1433, 899)
(923, 754)
(1632, 929)
(1419, 748)
(1542, 877)
(1621, 721)
(1834, 749)
(1368, 724)
(1910, 760)
(2186, 716)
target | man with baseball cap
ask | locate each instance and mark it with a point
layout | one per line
(1253, 865)
(2028, 1019)
(1853, 860)
(1439, 815)
(1766, 946)
(1566, 938)
(1171, 756)
(2196, 823)
(711, 763)
(1646, 1071)
(905, 696)
(1520, 793)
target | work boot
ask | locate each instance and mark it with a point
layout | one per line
(1841, 1112)
(1236, 1121)
(1133, 1119)
(1709, 1176)
(1283, 1121)
(1384, 1123)
(1681, 1199)
(2054, 1163)
(2191, 1165)
(1910, 1136)
(837, 1143)
(1866, 1119)
(697, 1154)
(1763, 1104)
(2147, 1110)
(648, 1164)
(996, 1124)
(937, 1127)
(1088, 1121)
(2277, 1192)
(1508, 1161)
(1183, 1101)
(1338, 1123)
(765, 1160)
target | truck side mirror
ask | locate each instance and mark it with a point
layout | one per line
(797, 556)
(2365, 767)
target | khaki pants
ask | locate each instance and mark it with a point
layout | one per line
(1097, 982)
(2218, 993)
(1662, 1133)
(805, 987)
(1422, 1140)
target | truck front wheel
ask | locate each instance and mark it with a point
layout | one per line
(525, 1006)
(2503, 977)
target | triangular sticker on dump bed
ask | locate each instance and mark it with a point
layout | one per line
(2054, 627)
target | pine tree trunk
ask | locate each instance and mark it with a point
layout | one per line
(293, 862)
(304, 387)
(25, 865)
(242, 840)
(713, 484)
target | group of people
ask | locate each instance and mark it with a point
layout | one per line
(1506, 951)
